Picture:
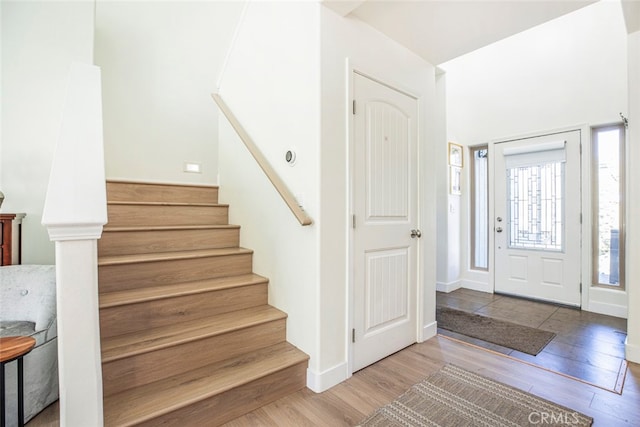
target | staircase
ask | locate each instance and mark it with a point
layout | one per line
(187, 335)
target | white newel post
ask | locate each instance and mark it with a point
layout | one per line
(75, 211)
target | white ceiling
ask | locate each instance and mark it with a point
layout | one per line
(440, 30)
(631, 9)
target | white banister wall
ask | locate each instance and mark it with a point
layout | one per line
(75, 211)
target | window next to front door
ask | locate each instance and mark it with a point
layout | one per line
(608, 205)
(479, 180)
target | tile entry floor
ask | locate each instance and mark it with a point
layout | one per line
(587, 346)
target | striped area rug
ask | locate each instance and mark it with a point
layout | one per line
(456, 397)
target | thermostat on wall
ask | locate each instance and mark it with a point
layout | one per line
(290, 157)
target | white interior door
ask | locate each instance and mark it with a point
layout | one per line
(385, 209)
(537, 217)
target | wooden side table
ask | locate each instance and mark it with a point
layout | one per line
(11, 238)
(12, 348)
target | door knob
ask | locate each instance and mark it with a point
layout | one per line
(498, 229)
(416, 233)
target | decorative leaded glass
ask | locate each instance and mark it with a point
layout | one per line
(535, 197)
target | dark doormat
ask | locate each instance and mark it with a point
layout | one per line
(522, 338)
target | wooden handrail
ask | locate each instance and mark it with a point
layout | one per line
(264, 164)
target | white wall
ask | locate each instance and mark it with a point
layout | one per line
(272, 84)
(39, 42)
(371, 52)
(159, 65)
(286, 81)
(570, 71)
(1, 89)
(633, 201)
(448, 212)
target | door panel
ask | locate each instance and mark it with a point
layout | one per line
(387, 150)
(386, 289)
(385, 208)
(537, 224)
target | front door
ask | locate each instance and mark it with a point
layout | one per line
(385, 212)
(537, 217)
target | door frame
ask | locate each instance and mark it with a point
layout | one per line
(585, 204)
(392, 82)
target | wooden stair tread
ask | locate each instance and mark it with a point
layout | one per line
(167, 256)
(188, 333)
(151, 400)
(161, 184)
(137, 203)
(134, 296)
(171, 227)
(121, 346)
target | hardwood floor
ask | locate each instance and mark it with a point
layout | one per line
(587, 346)
(579, 333)
(349, 402)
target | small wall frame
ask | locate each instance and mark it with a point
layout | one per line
(456, 155)
(455, 177)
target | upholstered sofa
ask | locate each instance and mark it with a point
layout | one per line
(28, 308)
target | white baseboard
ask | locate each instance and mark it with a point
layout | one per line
(448, 287)
(322, 381)
(429, 331)
(476, 286)
(608, 309)
(632, 351)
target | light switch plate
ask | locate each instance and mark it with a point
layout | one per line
(191, 167)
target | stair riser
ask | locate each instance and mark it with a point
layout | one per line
(153, 241)
(225, 407)
(160, 215)
(137, 192)
(152, 314)
(114, 278)
(145, 368)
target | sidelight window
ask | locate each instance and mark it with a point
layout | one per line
(608, 207)
(479, 207)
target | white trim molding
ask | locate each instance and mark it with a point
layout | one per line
(608, 309)
(428, 331)
(448, 287)
(603, 300)
(322, 381)
(60, 233)
(477, 285)
(632, 351)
